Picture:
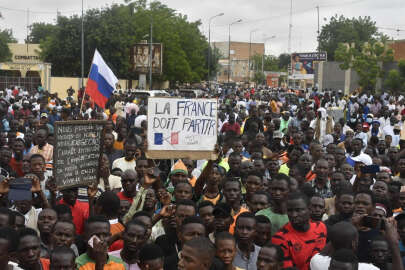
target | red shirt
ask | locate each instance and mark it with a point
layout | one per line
(45, 263)
(80, 213)
(227, 127)
(300, 247)
(122, 196)
(16, 166)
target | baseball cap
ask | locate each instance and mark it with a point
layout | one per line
(222, 210)
(397, 127)
(44, 115)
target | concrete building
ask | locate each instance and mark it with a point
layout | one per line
(239, 60)
(399, 49)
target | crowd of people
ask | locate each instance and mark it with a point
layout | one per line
(293, 187)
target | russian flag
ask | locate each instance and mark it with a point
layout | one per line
(101, 82)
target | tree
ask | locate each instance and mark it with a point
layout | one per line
(345, 30)
(284, 60)
(6, 36)
(114, 30)
(259, 77)
(40, 31)
(366, 61)
(394, 82)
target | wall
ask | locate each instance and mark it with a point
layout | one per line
(399, 49)
(61, 84)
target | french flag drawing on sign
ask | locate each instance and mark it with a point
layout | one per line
(174, 138)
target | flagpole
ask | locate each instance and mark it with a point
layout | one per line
(88, 75)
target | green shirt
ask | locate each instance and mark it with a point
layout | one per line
(277, 220)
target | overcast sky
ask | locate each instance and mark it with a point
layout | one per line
(269, 17)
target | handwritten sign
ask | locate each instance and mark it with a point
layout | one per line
(180, 125)
(77, 152)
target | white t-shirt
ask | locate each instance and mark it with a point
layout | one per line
(123, 164)
(319, 262)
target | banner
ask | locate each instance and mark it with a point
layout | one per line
(177, 124)
(303, 63)
(140, 58)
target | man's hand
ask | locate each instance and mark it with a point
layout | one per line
(92, 190)
(164, 197)
(149, 178)
(51, 185)
(4, 186)
(36, 185)
(100, 249)
(167, 210)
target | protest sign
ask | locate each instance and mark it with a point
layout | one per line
(77, 152)
(179, 128)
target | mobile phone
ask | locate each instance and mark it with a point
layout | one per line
(91, 240)
(371, 222)
(20, 189)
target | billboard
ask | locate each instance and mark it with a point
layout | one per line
(140, 58)
(303, 63)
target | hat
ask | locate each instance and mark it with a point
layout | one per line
(366, 125)
(44, 115)
(397, 127)
(178, 167)
(278, 135)
(362, 159)
(222, 210)
(376, 121)
(26, 102)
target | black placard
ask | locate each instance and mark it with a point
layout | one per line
(77, 153)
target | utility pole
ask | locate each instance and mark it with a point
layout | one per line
(289, 41)
(150, 51)
(319, 49)
(250, 49)
(28, 26)
(229, 49)
(209, 47)
(82, 50)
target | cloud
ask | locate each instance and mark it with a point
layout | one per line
(271, 17)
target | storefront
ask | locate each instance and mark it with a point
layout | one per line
(25, 68)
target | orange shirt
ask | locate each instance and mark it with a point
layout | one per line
(45, 263)
(235, 216)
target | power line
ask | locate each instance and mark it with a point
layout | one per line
(37, 12)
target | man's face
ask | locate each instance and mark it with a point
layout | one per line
(99, 229)
(305, 162)
(70, 196)
(298, 214)
(183, 211)
(28, 252)
(18, 147)
(316, 152)
(46, 220)
(268, 260)
(380, 190)
(345, 204)
(226, 250)
(279, 190)
(134, 238)
(124, 207)
(234, 163)
(129, 151)
(273, 166)
(191, 231)
(206, 213)
(150, 199)
(253, 184)
(237, 147)
(108, 140)
(245, 230)
(191, 260)
(41, 137)
(178, 177)
(348, 171)
(38, 166)
(263, 233)
(356, 146)
(63, 262)
(232, 191)
(317, 208)
(364, 183)
(183, 191)
(379, 252)
(63, 234)
(258, 202)
(401, 165)
(322, 169)
(128, 182)
(383, 176)
(363, 204)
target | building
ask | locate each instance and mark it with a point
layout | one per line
(399, 49)
(239, 52)
(25, 68)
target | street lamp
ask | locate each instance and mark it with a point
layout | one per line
(250, 49)
(229, 48)
(209, 44)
